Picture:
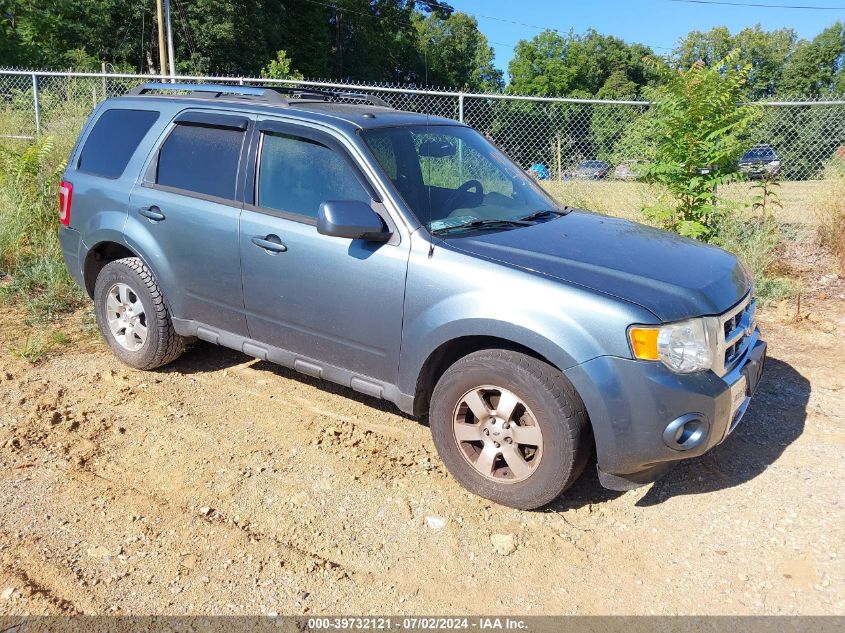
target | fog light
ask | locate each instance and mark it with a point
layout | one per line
(685, 432)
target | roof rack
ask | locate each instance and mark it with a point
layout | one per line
(268, 94)
(212, 90)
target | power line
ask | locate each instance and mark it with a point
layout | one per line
(141, 50)
(186, 28)
(532, 26)
(761, 5)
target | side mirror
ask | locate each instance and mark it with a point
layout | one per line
(352, 219)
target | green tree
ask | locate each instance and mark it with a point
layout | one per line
(371, 40)
(765, 52)
(701, 126)
(572, 65)
(457, 53)
(817, 67)
(63, 33)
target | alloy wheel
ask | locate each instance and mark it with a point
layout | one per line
(497, 434)
(126, 316)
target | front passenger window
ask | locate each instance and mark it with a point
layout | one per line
(297, 174)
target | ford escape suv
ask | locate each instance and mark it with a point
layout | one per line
(408, 258)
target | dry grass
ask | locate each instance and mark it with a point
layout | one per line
(831, 229)
(623, 199)
(803, 203)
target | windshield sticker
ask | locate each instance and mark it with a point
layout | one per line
(450, 223)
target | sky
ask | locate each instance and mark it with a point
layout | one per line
(657, 23)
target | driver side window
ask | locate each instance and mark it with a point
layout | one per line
(459, 166)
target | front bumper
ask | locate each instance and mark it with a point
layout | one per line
(760, 171)
(631, 403)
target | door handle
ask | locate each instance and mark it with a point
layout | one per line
(271, 243)
(153, 213)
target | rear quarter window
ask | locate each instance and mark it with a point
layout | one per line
(113, 140)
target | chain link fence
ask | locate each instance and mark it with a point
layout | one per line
(558, 139)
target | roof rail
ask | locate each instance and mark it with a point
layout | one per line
(269, 94)
(356, 96)
(213, 90)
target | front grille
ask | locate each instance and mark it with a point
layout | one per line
(737, 325)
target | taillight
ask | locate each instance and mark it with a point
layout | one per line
(65, 195)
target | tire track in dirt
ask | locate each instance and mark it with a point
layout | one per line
(30, 573)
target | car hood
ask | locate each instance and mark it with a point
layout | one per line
(671, 276)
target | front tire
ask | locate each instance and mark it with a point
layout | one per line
(132, 316)
(510, 428)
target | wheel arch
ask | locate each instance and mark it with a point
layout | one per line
(449, 352)
(98, 256)
(112, 247)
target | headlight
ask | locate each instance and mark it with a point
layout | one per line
(683, 347)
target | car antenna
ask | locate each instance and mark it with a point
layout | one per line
(427, 131)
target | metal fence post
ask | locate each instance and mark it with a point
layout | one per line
(36, 106)
(460, 142)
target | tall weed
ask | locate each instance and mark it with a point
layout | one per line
(832, 227)
(755, 239)
(30, 256)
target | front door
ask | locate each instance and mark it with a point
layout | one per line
(335, 300)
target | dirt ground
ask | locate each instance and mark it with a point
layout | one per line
(226, 485)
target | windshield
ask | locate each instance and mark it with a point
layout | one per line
(760, 153)
(451, 176)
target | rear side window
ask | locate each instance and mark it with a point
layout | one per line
(113, 140)
(297, 174)
(202, 159)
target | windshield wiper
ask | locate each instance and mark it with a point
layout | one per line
(538, 215)
(480, 225)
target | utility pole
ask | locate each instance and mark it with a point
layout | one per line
(171, 57)
(162, 52)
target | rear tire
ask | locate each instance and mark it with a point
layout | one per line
(524, 432)
(133, 317)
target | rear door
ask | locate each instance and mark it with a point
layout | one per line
(186, 213)
(335, 300)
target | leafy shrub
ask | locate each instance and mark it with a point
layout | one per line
(280, 68)
(701, 126)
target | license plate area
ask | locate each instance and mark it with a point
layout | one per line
(746, 384)
(740, 399)
(739, 392)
